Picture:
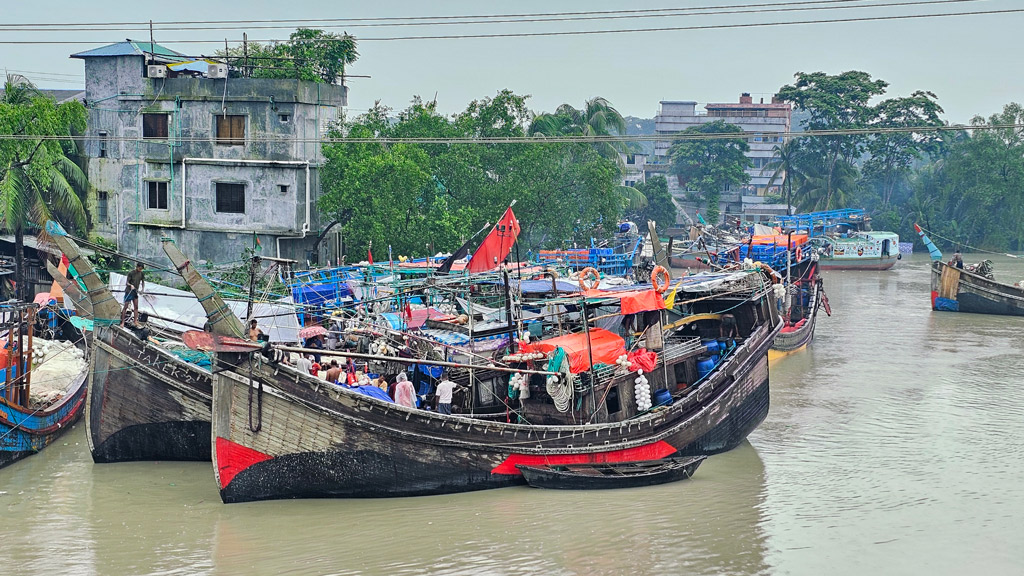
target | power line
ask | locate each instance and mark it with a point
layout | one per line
(869, 131)
(420, 18)
(576, 32)
(666, 13)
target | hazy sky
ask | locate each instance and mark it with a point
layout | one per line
(972, 63)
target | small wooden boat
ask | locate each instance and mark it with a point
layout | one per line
(610, 474)
(145, 403)
(971, 289)
(25, 426)
(805, 296)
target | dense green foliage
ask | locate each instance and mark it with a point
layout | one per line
(425, 198)
(308, 54)
(39, 180)
(659, 207)
(709, 166)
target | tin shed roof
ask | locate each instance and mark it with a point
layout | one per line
(132, 48)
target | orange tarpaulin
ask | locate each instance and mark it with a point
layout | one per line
(780, 239)
(631, 301)
(605, 346)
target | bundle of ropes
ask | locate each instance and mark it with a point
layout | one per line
(983, 268)
(560, 388)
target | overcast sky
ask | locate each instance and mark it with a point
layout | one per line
(972, 63)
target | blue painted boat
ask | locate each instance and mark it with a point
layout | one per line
(26, 429)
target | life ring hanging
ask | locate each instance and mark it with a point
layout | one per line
(662, 273)
(775, 276)
(799, 254)
(592, 273)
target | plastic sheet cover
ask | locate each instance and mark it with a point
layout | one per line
(606, 348)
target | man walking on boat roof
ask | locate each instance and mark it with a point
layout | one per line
(133, 286)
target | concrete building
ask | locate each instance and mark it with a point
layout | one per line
(634, 168)
(770, 120)
(178, 149)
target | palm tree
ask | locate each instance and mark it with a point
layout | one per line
(597, 118)
(38, 179)
(785, 167)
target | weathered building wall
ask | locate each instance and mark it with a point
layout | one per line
(283, 121)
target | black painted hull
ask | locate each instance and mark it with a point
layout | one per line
(145, 403)
(310, 444)
(613, 477)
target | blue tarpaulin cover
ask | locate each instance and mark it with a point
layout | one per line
(373, 392)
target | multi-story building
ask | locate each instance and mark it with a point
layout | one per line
(177, 148)
(770, 121)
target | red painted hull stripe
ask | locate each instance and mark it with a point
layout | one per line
(655, 451)
(935, 294)
(233, 458)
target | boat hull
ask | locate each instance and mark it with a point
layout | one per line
(24, 432)
(281, 438)
(874, 263)
(957, 290)
(630, 476)
(145, 403)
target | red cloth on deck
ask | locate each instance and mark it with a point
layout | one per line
(606, 348)
(642, 359)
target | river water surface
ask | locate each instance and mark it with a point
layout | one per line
(894, 445)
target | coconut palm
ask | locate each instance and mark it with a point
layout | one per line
(785, 167)
(597, 118)
(38, 179)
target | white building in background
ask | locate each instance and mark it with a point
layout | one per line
(634, 164)
(769, 120)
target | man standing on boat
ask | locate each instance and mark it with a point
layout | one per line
(405, 393)
(445, 389)
(133, 286)
(957, 261)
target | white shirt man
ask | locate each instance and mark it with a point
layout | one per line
(445, 389)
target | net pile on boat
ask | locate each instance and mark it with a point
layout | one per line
(55, 364)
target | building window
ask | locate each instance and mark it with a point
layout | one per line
(282, 188)
(101, 206)
(157, 195)
(630, 183)
(630, 159)
(283, 118)
(231, 129)
(154, 126)
(231, 198)
(103, 144)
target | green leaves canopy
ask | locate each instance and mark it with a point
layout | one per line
(709, 165)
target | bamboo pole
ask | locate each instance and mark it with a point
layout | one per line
(401, 360)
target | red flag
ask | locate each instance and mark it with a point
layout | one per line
(369, 255)
(497, 245)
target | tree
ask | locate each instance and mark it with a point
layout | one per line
(308, 54)
(711, 165)
(839, 102)
(38, 179)
(660, 206)
(893, 152)
(786, 167)
(419, 196)
(597, 118)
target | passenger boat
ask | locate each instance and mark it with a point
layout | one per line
(843, 239)
(27, 425)
(145, 403)
(610, 475)
(281, 433)
(970, 289)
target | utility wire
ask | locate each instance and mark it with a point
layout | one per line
(423, 18)
(668, 13)
(555, 139)
(574, 32)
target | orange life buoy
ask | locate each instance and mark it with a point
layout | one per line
(799, 254)
(660, 272)
(591, 272)
(775, 276)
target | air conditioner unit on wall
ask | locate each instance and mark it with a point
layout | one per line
(217, 71)
(156, 71)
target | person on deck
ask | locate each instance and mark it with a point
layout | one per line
(334, 372)
(957, 261)
(315, 343)
(405, 393)
(303, 363)
(254, 331)
(444, 391)
(133, 287)
(728, 327)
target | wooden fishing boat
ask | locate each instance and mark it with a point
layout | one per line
(804, 297)
(281, 433)
(145, 403)
(27, 428)
(971, 289)
(610, 475)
